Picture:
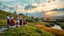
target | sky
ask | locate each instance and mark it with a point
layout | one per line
(20, 4)
(31, 6)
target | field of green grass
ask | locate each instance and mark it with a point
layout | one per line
(29, 30)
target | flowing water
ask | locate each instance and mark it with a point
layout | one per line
(57, 27)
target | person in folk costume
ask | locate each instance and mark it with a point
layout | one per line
(8, 19)
(17, 22)
(20, 19)
(24, 21)
(12, 22)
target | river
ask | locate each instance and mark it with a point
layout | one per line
(57, 27)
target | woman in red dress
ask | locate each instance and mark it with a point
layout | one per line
(24, 21)
(12, 22)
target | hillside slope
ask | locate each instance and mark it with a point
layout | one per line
(3, 14)
(28, 30)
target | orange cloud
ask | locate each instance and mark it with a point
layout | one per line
(43, 7)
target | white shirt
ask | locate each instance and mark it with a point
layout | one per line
(8, 17)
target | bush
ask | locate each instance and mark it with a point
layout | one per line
(29, 20)
(49, 24)
(62, 25)
(36, 19)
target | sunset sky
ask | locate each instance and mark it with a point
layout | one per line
(30, 6)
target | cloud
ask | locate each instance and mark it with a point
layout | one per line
(41, 7)
(7, 0)
(53, 13)
(58, 9)
(29, 7)
(24, 6)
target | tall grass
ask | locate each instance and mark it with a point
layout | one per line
(3, 23)
(27, 31)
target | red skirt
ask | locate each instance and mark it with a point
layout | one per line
(12, 23)
(24, 22)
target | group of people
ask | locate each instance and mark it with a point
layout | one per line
(19, 21)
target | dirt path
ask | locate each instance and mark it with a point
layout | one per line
(57, 32)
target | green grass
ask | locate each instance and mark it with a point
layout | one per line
(3, 14)
(3, 23)
(27, 31)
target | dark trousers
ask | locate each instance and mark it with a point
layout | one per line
(20, 22)
(8, 22)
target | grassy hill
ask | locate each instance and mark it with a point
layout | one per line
(28, 30)
(3, 14)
